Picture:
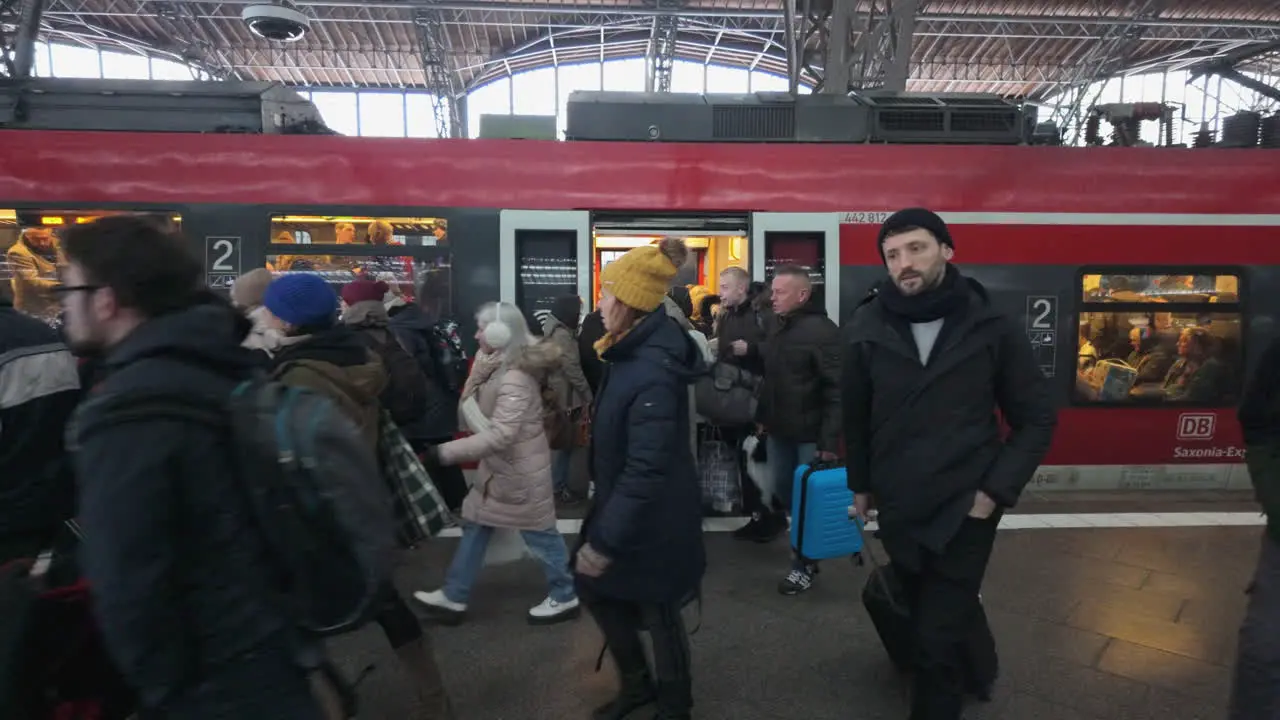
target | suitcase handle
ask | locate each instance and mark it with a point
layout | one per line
(876, 564)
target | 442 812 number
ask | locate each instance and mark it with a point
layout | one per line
(863, 217)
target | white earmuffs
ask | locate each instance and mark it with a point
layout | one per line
(497, 334)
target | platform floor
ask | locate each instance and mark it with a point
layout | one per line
(1092, 624)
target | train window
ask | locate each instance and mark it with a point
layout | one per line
(349, 230)
(798, 248)
(30, 253)
(1149, 288)
(410, 274)
(1153, 338)
(409, 278)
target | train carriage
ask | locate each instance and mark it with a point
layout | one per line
(1080, 246)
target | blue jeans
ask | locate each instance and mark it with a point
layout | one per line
(546, 545)
(561, 462)
(784, 457)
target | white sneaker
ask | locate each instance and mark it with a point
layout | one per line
(549, 612)
(449, 611)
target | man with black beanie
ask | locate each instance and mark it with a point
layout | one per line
(930, 361)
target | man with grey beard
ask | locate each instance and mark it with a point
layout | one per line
(929, 363)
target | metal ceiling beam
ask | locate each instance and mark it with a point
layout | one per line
(662, 47)
(725, 36)
(441, 75)
(544, 15)
(838, 61)
(902, 21)
(1106, 58)
(18, 44)
(1104, 17)
(927, 25)
(199, 38)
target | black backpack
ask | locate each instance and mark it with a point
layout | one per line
(407, 393)
(448, 355)
(311, 484)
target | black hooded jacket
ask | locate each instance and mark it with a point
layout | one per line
(413, 328)
(924, 438)
(40, 386)
(591, 330)
(170, 552)
(646, 515)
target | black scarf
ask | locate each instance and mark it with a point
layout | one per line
(948, 297)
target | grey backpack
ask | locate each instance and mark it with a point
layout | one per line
(312, 486)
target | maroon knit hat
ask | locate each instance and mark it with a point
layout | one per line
(364, 291)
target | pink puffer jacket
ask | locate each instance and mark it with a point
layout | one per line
(513, 487)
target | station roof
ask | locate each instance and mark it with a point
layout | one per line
(1024, 48)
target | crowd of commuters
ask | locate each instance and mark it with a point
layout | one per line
(180, 570)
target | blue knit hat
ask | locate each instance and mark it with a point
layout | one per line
(302, 300)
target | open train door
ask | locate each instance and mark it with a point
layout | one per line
(811, 240)
(542, 255)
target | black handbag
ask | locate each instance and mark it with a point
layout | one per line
(20, 585)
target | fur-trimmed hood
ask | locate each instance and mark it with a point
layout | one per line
(538, 360)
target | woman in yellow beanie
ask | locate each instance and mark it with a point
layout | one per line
(641, 557)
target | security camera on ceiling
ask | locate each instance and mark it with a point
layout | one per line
(280, 22)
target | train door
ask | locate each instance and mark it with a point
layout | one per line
(811, 240)
(716, 242)
(539, 253)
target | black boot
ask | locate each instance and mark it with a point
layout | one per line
(637, 691)
(675, 700)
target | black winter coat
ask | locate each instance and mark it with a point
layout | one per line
(647, 511)
(413, 328)
(40, 384)
(800, 396)
(747, 323)
(924, 438)
(591, 330)
(170, 552)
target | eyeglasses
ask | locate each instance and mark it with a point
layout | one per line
(64, 290)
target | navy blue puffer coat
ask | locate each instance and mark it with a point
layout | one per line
(647, 511)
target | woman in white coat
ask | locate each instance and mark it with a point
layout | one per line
(502, 407)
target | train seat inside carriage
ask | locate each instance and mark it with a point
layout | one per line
(30, 254)
(1132, 350)
(306, 243)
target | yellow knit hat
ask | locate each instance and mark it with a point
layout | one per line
(641, 278)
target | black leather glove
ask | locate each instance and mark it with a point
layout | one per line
(431, 456)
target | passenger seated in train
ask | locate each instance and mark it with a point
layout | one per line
(502, 405)
(284, 263)
(33, 263)
(1087, 356)
(1153, 354)
(1198, 373)
(380, 232)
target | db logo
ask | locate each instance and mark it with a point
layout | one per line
(1196, 426)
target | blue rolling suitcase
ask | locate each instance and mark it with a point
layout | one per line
(820, 524)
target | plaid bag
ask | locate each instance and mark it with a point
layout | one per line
(718, 467)
(420, 511)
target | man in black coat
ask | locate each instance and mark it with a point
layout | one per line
(40, 386)
(739, 341)
(800, 396)
(929, 363)
(417, 329)
(177, 570)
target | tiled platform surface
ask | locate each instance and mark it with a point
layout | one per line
(1093, 624)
